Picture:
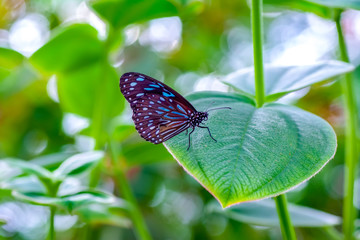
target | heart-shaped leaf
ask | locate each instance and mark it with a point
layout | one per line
(259, 153)
(264, 213)
(280, 80)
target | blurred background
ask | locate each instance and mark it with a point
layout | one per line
(56, 56)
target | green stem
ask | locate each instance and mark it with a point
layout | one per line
(257, 34)
(332, 233)
(52, 190)
(51, 235)
(256, 22)
(137, 218)
(286, 226)
(97, 122)
(351, 154)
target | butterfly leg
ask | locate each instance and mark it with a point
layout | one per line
(208, 131)
(192, 130)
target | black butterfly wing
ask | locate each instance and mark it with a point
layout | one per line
(159, 112)
(136, 85)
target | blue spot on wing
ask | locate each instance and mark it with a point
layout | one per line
(159, 112)
(165, 109)
(172, 117)
(148, 89)
(140, 79)
(180, 108)
(133, 84)
(168, 94)
(154, 85)
(179, 114)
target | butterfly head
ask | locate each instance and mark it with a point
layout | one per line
(198, 118)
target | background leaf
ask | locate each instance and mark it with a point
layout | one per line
(98, 80)
(263, 213)
(280, 80)
(338, 3)
(78, 164)
(122, 13)
(71, 48)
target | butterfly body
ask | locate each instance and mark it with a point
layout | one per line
(159, 112)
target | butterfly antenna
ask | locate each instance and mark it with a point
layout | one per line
(218, 108)
(209, 105)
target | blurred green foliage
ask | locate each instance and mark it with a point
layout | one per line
(61, 94)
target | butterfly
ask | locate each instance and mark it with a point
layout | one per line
(159, 112)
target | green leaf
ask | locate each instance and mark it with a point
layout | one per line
(114, 214)
(90, 90)
(71, 48)
(10, 59)
(25, 184)
(29, 168)
(260, 152)
(264, 213)
(122, 13)
(355, 4)
(281, 80)
(51, 161)
(83, 198)
(139, 152)
(78, 164)
(302, 5)
(67, 202)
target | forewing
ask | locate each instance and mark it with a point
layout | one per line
(135, 86)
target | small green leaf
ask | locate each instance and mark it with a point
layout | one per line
(81, 91)
(114, 214)
(122, 13)
(35, 198)
(71, 48)
(78, 164)
(264, 213)
(26, 184)
(260, 152)
(29, 168)
(67, 202)
(355, 4)
(281, 80)
(83, 198)
(51, 161)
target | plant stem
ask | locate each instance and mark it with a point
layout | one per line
(256, 24)
(351, 154)
(287, 229)
(257, 34)
(137, 218)
(52, 224)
